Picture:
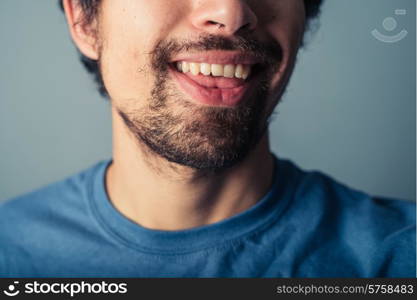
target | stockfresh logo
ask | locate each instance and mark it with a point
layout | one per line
(12, 290)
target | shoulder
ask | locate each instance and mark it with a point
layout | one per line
(354, 206)
(33, 222)
(355, 203)
(49, 199)
(321, 191)
(377, 232)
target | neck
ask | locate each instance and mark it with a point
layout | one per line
(161, 195)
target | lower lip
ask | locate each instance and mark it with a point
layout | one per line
(228, 97)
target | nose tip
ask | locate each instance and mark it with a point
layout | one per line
(225, 17)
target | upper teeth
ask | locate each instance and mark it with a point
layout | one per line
(229, 70)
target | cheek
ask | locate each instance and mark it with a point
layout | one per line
(289, 33)
(285, 25)
(129, 34)
(125, 68)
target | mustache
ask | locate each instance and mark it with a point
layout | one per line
(268, 53)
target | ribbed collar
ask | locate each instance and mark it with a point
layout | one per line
(129, 233)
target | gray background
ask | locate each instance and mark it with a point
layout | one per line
(349, 110)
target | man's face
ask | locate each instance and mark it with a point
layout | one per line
(196, 81)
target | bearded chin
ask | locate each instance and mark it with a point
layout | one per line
(200, 137)
(197, 136)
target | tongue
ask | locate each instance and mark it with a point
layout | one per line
(215, 82)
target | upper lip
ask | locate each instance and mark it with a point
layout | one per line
(218, 57)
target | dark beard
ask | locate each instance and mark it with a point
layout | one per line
(202, 137)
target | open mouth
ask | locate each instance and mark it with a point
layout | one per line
(216, 84)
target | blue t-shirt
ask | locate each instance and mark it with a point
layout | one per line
(307, 225)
